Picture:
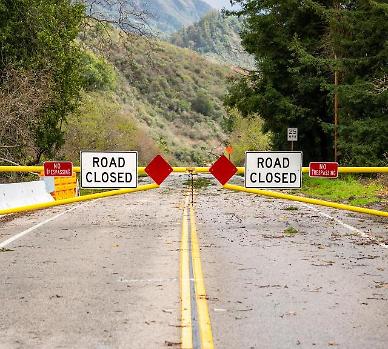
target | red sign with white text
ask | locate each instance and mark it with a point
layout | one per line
(324, 169)
(58, 168)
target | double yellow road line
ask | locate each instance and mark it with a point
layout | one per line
(195, 318)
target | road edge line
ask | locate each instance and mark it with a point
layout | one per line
(29, 230)
(345, 225)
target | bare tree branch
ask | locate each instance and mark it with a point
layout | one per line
(23, 95)
(125, 15)
(381, 84)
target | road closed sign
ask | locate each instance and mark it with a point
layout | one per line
(114, 170)
(273, 170)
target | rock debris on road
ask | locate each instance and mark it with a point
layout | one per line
(278, 274)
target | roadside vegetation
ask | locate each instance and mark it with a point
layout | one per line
(246, 134)
(349, 189)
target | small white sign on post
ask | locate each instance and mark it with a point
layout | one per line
(292, 134)
(273, 170)
(113, 170)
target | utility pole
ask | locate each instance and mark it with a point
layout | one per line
(335, 113)
(336, 83)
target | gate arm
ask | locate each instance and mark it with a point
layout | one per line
(278, 195)
(78, 199)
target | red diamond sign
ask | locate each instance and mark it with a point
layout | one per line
(223, 170)
(158, 169)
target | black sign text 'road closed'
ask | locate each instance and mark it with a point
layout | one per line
(273, 170)
(102, 170)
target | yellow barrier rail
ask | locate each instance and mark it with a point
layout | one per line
(240, 170)
(306, 200)
(78, 199)
(39, 169)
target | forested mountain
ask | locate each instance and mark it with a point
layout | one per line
(216, 36)
(170, 15)
(164, 16)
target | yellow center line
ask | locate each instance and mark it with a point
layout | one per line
(204, 325)
(187, 332)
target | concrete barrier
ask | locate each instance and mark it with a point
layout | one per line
(22, 194)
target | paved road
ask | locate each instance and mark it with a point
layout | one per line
(107, 274)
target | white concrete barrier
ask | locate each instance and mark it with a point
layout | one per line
(21, 194)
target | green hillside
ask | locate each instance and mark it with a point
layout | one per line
(216, 37)
(151, 96)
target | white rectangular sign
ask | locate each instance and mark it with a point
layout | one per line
(273, 170)
(292, 134)
(101, 170)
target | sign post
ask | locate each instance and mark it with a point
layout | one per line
(273, 170)
(108, 170)
(292, 136)
(229, 151)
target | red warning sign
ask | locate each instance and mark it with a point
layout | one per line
(58, 168)
(223, 170)
(323, 169)
(158, 169)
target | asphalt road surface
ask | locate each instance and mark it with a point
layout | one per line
(108, 274)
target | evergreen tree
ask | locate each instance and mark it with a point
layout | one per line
(299, 46)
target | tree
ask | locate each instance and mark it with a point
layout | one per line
(38, 36)
(299, 46)
(126, 15)
(23, 95)
(38, 40)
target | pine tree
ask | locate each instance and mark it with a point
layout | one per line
(300, 46)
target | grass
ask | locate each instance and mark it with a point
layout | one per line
(345, 189)
(199, 183)
(290, 231)
(291, 208)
